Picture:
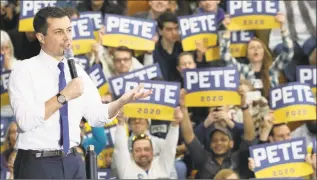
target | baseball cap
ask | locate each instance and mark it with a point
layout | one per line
(222, 129)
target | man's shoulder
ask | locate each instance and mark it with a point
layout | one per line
(26, 63)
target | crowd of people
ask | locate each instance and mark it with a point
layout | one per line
(201, 142)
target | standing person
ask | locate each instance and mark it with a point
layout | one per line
(49, 105)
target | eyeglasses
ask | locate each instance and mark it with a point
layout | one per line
(118, 60)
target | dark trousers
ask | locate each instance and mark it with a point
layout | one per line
(27, 166)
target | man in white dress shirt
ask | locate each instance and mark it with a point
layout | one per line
(49, 104)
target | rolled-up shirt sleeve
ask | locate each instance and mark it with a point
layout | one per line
(29, 113)
(95, 112)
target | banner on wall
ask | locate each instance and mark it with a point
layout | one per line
(211, 87)
(281, 159)
(307, 75)
(4, 88)
(98, 77)
(134, 33)
(238, 45)
(83, 37)
(146, 73)
(198, 27)
(293, 102)
(253, 15)
(160, 105)
(28, 9)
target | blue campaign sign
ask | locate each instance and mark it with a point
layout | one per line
(4, 88)
(241, 37)
(197, 27)
(159, 105)
(97, 75)
(110, 134)
(287, 157)
(293, 102)
(83, 61)
(1, 62)
(127, 31)
(96, 17)
(105, 173)
(211, 86)
(307, 75)
(146, 73)
(28, 9)
(252, 14)
(5, 122)
(82, 28)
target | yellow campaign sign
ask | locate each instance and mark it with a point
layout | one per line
(5, 100)
(28, 11)
(83, 36)
(135, 33)
(159, 105)
(196, 28)
(97, 76)
(253, 15)
(293, 102)
(208, 87)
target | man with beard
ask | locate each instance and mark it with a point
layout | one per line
(143, 164)
(219, 155)
(307, 130)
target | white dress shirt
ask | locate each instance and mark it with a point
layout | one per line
(31, 84)
(162, 166)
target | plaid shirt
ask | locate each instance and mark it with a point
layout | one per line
(246, 71)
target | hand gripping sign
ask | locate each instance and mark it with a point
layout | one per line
(83, 37)
(293, 102)
(238, 45)
(307, 75)
(281, 159)
(134, 33)
(253, 14)
(159, 105)
(197, 27)
(28, 11)
(4, 88)
(211, 87)
(98, 77)
(146, 73)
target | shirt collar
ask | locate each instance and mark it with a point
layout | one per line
(49, 60)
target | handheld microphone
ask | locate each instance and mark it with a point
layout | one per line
(68, 53)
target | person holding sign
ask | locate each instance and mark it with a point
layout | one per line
(261, 70)
(143, 164)
(311, 159)
(221, 143)
(49, 104)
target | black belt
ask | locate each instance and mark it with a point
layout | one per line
(54, 153)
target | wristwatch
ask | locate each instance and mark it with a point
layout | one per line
(245, 107)
(61, 98)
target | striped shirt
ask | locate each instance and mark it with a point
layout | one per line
(280, 62)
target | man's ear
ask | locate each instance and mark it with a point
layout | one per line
(40, 37)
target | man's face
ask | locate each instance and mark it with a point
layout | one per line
(122, 61)
(142, 152)
(186, 62)
(138, 126)
(281, 133)
(58, 36)
(170, 32)
(159, 6)
(220, 143)
(209, 5)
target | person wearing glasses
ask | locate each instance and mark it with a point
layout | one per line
(143, 164)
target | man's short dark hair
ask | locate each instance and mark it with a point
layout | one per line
(40, 20)
(166, 17)
(124, 49)
(185, 53)
(71, 11)
(275, 126)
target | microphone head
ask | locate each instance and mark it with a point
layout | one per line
(68, 53)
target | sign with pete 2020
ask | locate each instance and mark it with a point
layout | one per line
(146, 73)
(281, 159)
(97, 76)
(4, 88)
(238, 45)
(28, 11)
(159, 105)
(253, 14)
(134, 33)
(293, 102)
(83, 35)
(307, 75)
(197, 27)
(211, 87)
(96, 18)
